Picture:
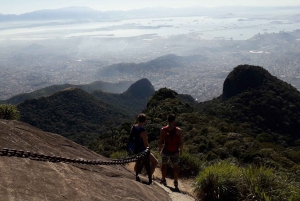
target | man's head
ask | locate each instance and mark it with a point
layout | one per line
(142, 118)
(171, 118)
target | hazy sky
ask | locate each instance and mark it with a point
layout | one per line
(23, 6)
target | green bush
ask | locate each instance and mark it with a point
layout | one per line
(9, 112)
(218, 182)
(211, 156)
(225, 181)
(264, 137)
(266, 184)
(260, 181)
(221, 139)
(190, 165)
(247, 157)
(119, 155)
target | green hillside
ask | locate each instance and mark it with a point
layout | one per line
(81, 116)
(251, 95)
(47, 91)
(72, 113)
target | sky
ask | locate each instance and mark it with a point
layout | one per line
(24, 6)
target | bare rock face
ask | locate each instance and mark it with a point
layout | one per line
(25, 179)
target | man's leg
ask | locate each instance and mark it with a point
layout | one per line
(153, 162)
(176, 172)
(164, 168)
(175, 161)
(137, 169)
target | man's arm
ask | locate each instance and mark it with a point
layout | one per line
(161, 139)
(180, 141)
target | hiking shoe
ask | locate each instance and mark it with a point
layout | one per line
(163, 182)
(176, 184)
(137, 178)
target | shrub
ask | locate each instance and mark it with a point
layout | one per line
(202, 147)
(264, 184)
(247, 157)
(9, 112)
(218, 182)
(293, 155)
(204, 131)
(225, 181)
(233, 146)
(190, 165)
(211, 156)
(264, 137)
(221, 139)
(260, 181)
(119, 155)
(296, 170)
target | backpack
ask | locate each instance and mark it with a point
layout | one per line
(133, 143)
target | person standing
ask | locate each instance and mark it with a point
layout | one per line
(171, 136)
(143, 144)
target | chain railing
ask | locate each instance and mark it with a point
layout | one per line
(57, 159)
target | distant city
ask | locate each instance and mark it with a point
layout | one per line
(33, 60)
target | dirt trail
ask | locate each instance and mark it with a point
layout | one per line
(185, 192)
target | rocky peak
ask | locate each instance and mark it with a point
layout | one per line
(242, 78)
(141, 88)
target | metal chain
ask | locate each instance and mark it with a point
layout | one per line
(57, 159)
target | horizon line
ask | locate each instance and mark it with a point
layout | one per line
(126, 10)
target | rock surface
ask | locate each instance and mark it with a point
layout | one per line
(25, 179)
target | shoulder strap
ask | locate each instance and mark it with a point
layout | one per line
(132, 133)
(132, 129)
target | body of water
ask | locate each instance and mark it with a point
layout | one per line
(204, 27)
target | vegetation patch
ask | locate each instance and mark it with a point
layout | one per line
(9, 112)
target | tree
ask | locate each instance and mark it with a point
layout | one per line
(9, 112)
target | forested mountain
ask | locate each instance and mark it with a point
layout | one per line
(81, 116)
(133, 100)
(47, 91)
(72, 113)
(251, 95)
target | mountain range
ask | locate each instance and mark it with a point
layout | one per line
(163, 65)
(254, 122)
(85, 13)
(81, 116)
(98, 85)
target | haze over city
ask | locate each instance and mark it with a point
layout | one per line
(20, 6)
(56, 42)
